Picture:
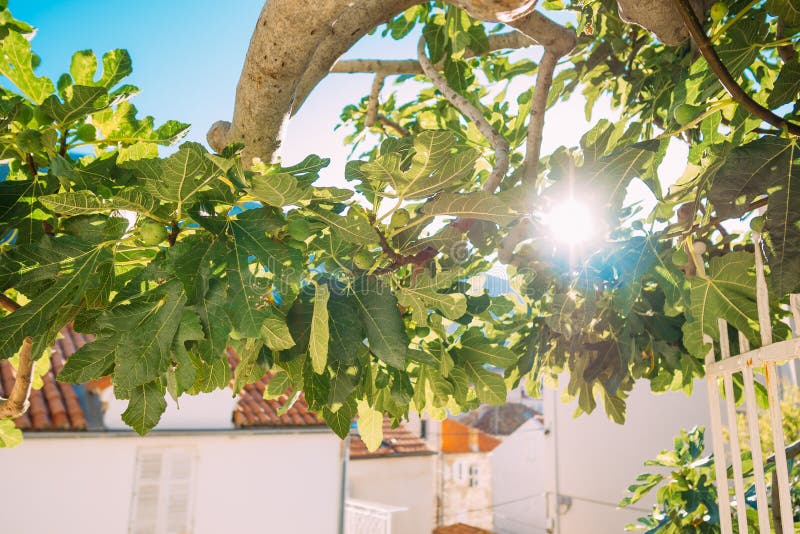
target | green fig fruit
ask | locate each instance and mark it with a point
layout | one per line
(400, 218)
(757, 224)
(685, 113)
(718, 11)
(152, 233)
(680, 258)
(29, 141)
(363, 260)
(299, 229)
(86, 132)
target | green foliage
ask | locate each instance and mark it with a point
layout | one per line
(370, 301)
(687, 501)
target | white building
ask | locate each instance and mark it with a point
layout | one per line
(591, 460)
(397, 480)
(223, 465)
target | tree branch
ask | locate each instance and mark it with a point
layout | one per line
(279, 73)
(374, 99)
(533, 145)
(734, 89)
(280, 51)
(8, 304)
(17, 402)
(498, 142)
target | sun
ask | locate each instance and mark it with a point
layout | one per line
(571, 222)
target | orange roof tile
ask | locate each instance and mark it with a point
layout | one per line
(253, 410)
(458, 438)
(460, 528)
(396, 442)
(55, 406)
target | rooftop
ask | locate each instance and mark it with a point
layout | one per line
(499, 420)
(396, 442)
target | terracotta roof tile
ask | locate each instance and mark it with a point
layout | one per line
(253, 410)
(55, 406)
(396, 442)
(460, 438)
(460, 528)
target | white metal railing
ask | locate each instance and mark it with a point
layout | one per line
(363, 517)
(766, 357)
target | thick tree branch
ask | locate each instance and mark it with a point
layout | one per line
(533, 145)
(734, 89)
(17, 402)
(281, 48)
(279, 72)
(498, 142)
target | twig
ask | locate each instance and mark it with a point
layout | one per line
(533, 148)
(374, 99)
(498, 142)
(8, 304)
(62, 150)
(734, 89)
(389, 123)
(17, 402)
(173, 235)
(31, 165)
(713, 222)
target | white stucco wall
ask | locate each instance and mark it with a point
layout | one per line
(243, 482)
(408, 482)
(518, 479)
(207, 411)
(597, 459)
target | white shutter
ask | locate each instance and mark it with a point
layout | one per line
(163, 491)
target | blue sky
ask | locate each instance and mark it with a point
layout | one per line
(188, 55)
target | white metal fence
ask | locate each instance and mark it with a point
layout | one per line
(364, 517)
(751, 365)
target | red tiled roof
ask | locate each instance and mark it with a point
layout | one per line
(396, 442)
(460, 528)
(55, 406)
(460, 438)
(252, 410)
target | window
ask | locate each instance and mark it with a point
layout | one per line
(458, 472)
(423, 429)
(163, 491)
(473, 475)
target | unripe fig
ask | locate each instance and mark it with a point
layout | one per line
(680, 258)
(718, 11)
(29, 141)
(299, 229)
(400, 218)
(152, 233)
(86, 132)
(757, 224)
(422, 331)
(685, 113)
(363, 260)
(699, 247)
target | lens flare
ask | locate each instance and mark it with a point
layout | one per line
(571, 222)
